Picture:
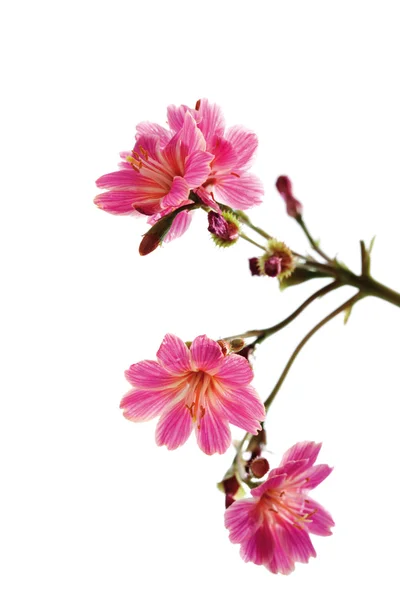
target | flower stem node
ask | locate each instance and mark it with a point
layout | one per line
(224, 228)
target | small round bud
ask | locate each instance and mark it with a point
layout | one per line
(237, 344)
(254, 265)
(273, 266)
(259, 467)
(224, 228)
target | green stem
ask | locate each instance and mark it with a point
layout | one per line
(309, 335)
(313, 243)
(262, 334)
(245, 237)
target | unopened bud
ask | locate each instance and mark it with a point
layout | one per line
(294, 208)
(254, 265)
(153, 238)
(237, 344)
(273, 266)
(224, 228)
(259, 467)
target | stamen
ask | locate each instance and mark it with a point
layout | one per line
(235, 174)
(197, 107)
(273, 510)
(202, 412)
(144, 152)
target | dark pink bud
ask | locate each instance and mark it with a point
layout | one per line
(254, 265)
(221, 228)
(231, 485)
(259, 467)
(273, 266)
(294, 208)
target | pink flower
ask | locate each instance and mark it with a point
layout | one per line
(157, 176)
(274, 526)
(199, 388)
(294, 208)
(229, 181)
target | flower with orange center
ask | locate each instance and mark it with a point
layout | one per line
(199, 388)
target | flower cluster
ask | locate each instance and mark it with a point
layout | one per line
(196, 161)
(205, 385)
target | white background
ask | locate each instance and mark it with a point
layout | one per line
(90, 507)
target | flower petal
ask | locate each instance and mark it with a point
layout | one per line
(174, 355)
(176, 116)
(309, 450)
(243, 408)
(242, 518)
(321, 520)
(174, 426)
(143, 405)
(212, 121)
(244, 142)
(197, 168)
(177, 195)
(179, 225)
(259, 547)
(273, 482)
(206, 354)
(225, 156)
(235, 371)
(116, 202)
(212, 432)
(147, 128)
(148, 374)
(240, 192)
(316, 475)
(294, 541)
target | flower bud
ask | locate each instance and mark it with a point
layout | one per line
(277, 262)
(237, 344)
(224, 228)
(259, 467)
(254, 265)
(294, 208)
(153, 238)
(273, 266)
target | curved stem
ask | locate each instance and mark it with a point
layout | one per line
(262, 334)
(245, 237)
(349, 303)
(313, 243)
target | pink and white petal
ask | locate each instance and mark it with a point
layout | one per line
(273, 482)
(240, 192)
(124, 178)
(235, 371)
(242, 518)
(149, 374)
(206, 354)
(174, 355)
(197, 168)
(179, 225)
(244, 142)
(116, 202)
(315, 475)
(309, 450)
(243, 409)
(147, 145)
(176, 116)
(319, 521)
(279, 561)
(295, 541)
(225, 156)
(143, 405)
(207, 198)
(191, 136)
(212, 121)
(259, 547)
(174, 426)
(178, 194)
(212, 432)
(148, 128)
